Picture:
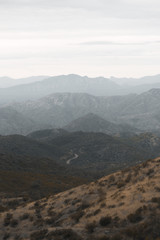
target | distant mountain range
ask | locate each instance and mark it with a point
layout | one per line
(58, 110)
(31, 109)
(6, 82)
(37, 87)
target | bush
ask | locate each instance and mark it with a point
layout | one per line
(84, 205)
(128, 178)
(39, 235)
(7, 219)
(103, 238)
(6, 236)
(13, 204)
(148, 230)
(121, 184)
(104, 221)
(67, 234)
(102, 195)
(24, 216)
(90, 227)
(111, 179)
(13, 222)
(135, 217)
(96, 212)
(76, 216)
(156, 200)
(50, 221)
(117, 237)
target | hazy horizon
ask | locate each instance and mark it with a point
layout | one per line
(82, 75)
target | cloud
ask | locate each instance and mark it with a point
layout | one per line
(78, 35)
(118, 43)
(111, 9)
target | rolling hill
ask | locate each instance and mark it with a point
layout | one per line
(93, 123)
(60, 160)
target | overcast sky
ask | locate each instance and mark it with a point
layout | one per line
(86, 37)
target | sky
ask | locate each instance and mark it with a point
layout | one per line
(89, 37)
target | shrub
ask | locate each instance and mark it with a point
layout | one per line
(102, 194)
(96, 211)
(13, 222)
(128, 178)
(6, 236)
(66, 201)
(13, 203)
(111, 178)
(90, 227)
(51, 213)
(50, 221)
(18, 237)
(3, 209)
(24, 216)
(121, 184)
(156, 200)
(135, 217)
(7, 219)
(38, 222)
(104, 221)
(103, 205)
(67, 234)
(103, 238)
(77, 215)
(150, 171)
(84, 205)
(39, 235)
(157, 188)
(112, 206)
(117, 237)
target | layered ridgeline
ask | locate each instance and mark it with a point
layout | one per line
(124, 205)
(60, 109)
(40, 86)
(65, 83)
(6, 82)
(50, 161)
(13, 122)
(93, 123)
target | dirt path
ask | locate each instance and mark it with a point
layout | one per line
(71, 159)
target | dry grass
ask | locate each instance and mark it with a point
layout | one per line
(124, 205)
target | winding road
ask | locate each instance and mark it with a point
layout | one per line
(73, 158)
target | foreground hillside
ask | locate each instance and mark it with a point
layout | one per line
(124, 206)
